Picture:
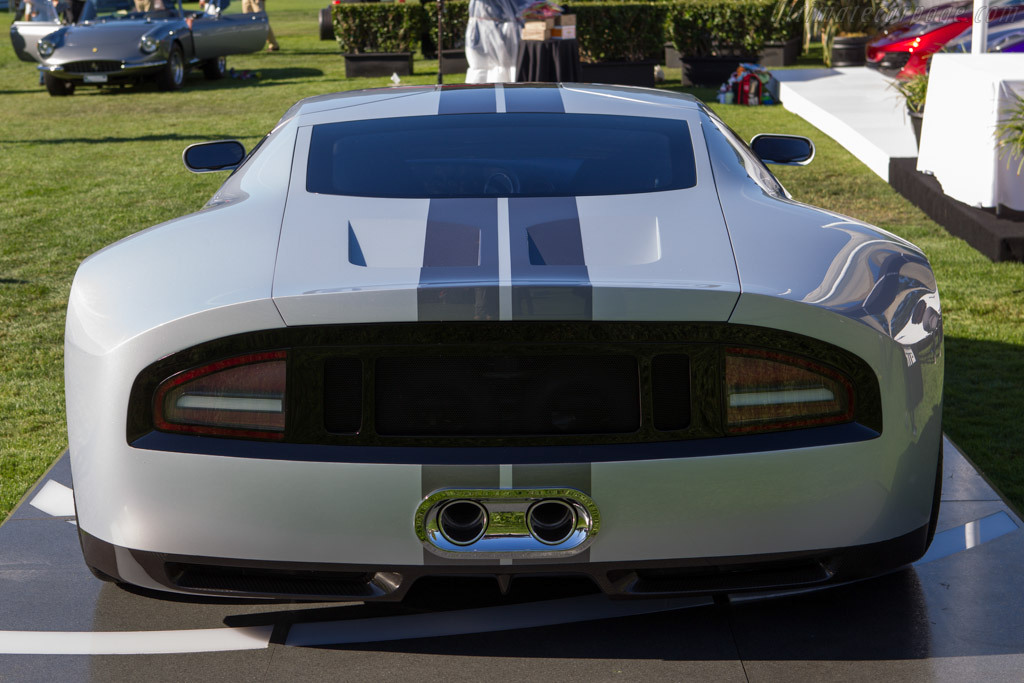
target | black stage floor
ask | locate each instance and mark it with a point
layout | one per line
(957, 615)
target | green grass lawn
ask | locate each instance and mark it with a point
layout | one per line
(83, 171)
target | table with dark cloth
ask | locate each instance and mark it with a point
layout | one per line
(548, 61)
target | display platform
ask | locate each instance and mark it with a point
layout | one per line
(956, 615)
(855, 106)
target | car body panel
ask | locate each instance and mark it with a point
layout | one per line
(652, 269)
(265, 258)
(25, 35)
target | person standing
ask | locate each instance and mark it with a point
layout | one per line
(492, 40)
(253, 6)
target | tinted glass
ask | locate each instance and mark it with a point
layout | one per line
(500, 155)
(215, 155)
(781, 149)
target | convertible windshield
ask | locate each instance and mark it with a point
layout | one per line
(125, 9)
(500, 155)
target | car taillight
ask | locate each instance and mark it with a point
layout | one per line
(768, 391)
(241, 396)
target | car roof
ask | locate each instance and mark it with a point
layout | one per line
(638, 101)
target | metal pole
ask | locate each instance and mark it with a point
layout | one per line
(440, 40)
(979, 28)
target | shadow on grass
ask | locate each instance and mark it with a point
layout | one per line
(33, 91)
(286, 73)
(982, 410)
(109, 139)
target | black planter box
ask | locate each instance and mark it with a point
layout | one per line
(849, 51)
(619, 73)
(371, 64)
(916, 121)
(454, 62)
(772, 54)
(780, 54)
(711, 71)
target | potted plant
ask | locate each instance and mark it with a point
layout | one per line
(914, 90)
(376, 39)
(1010, 134)
(620, 42)
(845, 26)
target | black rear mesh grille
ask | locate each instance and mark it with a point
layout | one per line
(343, 395)
(93, 67)
(507, 395)
(670, 376)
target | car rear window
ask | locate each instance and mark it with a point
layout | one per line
(500, 155)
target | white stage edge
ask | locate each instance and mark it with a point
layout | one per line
(856, 107)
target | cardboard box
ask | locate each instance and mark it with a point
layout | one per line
(563, 26)
(535, 30)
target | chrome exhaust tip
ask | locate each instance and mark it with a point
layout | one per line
(462, 522)
(551, 522)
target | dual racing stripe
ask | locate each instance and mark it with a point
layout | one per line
(511, 97)
(530, 246)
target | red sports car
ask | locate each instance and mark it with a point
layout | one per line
(903, 49)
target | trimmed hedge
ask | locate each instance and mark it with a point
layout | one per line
(621, 31)
(708, 28)
(608, 30)
(456, 16)
(377, 26)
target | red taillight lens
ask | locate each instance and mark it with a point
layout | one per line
(241, 396)
(768, 391)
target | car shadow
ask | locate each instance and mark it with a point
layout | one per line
(898, 616)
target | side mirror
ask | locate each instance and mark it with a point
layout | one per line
(207, 157)
(785, 150)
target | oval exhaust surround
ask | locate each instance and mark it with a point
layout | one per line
(507, 523)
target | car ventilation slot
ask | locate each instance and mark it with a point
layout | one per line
(271, 582)
(712, 579)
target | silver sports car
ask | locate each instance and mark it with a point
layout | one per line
(109, 45)
(571, 330)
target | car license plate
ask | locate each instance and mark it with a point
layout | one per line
(95, 78)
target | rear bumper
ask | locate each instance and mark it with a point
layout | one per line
(222, 577)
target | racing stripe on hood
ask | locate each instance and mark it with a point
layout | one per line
(459, 277)
(549, 274)
(533, 98)
(436, 477)
(473, 99)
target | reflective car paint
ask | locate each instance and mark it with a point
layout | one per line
(780, 265)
